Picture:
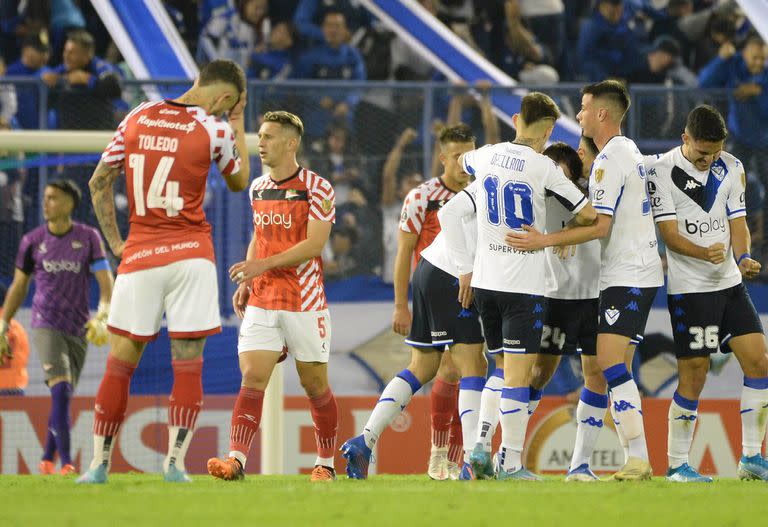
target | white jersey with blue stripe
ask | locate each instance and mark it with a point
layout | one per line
(702, 203)
(510, 190)
(617, 187)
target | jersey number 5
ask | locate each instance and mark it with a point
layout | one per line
(516, 205)
(171, 201)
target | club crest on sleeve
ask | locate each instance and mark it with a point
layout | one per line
(327, 205)
(599, 174)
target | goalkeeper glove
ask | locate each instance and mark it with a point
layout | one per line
(5, 347)
(96, 328)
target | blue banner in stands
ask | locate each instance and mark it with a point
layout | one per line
(455, 59)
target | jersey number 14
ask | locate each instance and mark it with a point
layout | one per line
(513, 202)
(171, 201)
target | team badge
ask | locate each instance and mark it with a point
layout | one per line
(327, 205)
(718, 172)
(77, 245)
(290, 194)
(599, 173)
(42, 248)
(611, 316)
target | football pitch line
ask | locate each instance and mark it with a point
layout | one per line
(139, 499)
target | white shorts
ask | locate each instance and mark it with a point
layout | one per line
(186, 291)
(306, 334)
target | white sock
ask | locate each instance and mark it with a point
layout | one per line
(396, 395)
(178, 444)
(754, 404)
(534, 400)
(470, 393)
(240, 456)
(682, 423)
(590, 413)
(622, 440)
(324, 461)
(489, 408)
(514, 421)
(628, 411)
(102, 450)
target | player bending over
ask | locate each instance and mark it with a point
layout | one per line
(697, 193)
(281, 297)
(60, 255)
(513, 181)
(630, 270)
(166, 148)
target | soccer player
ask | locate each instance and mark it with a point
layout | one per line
(166, 148)
(281, 297)
(513, 182)
(697, 193)
(630, 270)
(438, 319)
(60, 255)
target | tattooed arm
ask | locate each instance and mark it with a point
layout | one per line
(103, 199)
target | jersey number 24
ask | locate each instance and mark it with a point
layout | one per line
(511, 203)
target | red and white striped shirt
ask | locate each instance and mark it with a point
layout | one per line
(167, 149)
(281, 213)
(419, 215)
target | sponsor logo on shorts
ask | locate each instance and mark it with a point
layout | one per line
(57, 266)
(511, 342)
(439, 333)
(611, 316)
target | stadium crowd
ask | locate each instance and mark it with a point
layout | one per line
(693, 43)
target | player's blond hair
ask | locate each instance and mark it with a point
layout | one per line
(284, 118)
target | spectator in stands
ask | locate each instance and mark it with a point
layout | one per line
(656, 62)
(335, 160)
(83, 87)
(35, 53)
(339, 260)
(11, 214)
(234, 33)
(332, 60)
(524, 58)
(8, 101)
(393, 193)
(357, 213)
(667, 24)
(546, 20)
(19, 19)
(720, 31)
(13, 371)
(310, 15)
(275, 60)
(607, 46)
(746, 76)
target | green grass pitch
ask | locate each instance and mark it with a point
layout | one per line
(405, 501)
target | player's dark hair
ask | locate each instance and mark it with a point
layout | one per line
(611, 90)
(590, 144)
(705, 123)
(285, 119)
(83, 39)
(221, 70)
(69, 187)
(460, 133)
(537, 106)
(563, 153)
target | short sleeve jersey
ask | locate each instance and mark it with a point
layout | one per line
(702, 203)
(60, 266)
(512, 184)
(167, 150)
(419, 213)
(437, 252)
(281, 214)
(576, 277)
(617, 187)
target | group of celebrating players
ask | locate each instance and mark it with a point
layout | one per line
(513, 251)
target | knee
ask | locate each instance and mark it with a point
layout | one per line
(756, 366)
(425, 367)
(314, 385)
(595, 382)
(254, 377)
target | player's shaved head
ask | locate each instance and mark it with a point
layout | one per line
(564, 155)
(611, 95)
(539, 108)
(705, 123)
(286, 120)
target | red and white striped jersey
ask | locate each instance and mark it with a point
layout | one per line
(281, 213)
(167, 149)
(419, 215)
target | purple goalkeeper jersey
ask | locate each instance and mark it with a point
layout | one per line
(61, 267)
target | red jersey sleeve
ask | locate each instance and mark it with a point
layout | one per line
(414, 210)
(225, 153)
(322, 200)
(114, 154)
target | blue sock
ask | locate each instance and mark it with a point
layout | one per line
(59, 421)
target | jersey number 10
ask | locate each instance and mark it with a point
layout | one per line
(516, 206)
(171, 201)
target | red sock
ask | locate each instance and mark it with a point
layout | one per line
(326, 420)
(245, 419)
(187, 394)
(444, 404)
(112, 397)
(456, 440)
